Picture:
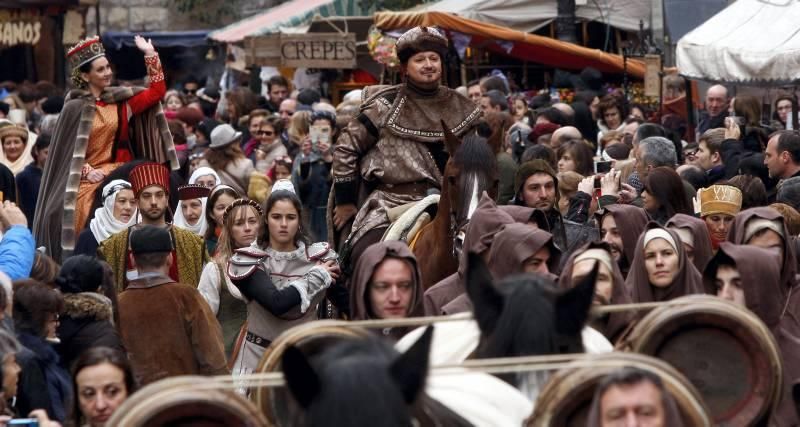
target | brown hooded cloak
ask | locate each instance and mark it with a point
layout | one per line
(702, 240)
(365, 268)
(631, 221)
(484, 224)
(760, 274)
(687, 281)
(613, 324)
(527, 215)
(511, 247)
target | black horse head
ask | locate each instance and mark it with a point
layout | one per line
(358, 383)
(525, 315)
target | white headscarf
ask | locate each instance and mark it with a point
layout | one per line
(203, 171)
(104, 224)
(25, 158)
(200, 227)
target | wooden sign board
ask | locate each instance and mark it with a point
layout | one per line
(310, 50)
(652, 75)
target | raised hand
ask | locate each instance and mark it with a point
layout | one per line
(145, 46)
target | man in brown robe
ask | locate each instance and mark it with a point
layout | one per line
(167, 327)
(393, 152)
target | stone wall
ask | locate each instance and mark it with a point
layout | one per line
(163, 15)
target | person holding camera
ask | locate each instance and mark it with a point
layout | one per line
(311, 173)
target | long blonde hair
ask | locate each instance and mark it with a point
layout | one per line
(299, 126)
(226, 245)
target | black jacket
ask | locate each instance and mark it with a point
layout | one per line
(43, 383)
(86, 323)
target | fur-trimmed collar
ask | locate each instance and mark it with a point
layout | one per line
(88, 304)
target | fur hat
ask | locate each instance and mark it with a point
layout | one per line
(13, 130)
(420, 39)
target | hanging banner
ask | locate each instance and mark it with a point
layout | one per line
(652, 75)
(19, 27)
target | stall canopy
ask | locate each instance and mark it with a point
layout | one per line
(530, 47)
(530, 15)
(291, 14)
(749, 42)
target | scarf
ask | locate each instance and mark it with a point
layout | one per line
(200, 227)
(103, 225)
(203, 171)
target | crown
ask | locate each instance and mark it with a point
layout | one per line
(720, 199)
(193, 191)
(85, 51)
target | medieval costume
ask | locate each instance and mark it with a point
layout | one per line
(693, 233)
(26, 157)
(282, 290)
(204, 171)
(567, 235)
(188, 251)
(725, 200)
(185, 338)
(393, 153)
(760, 273)
(104, 225)
(225, 301)
(486, 221)
(631, 222)
(360, 308)
(611, 325)
(687, 279)
(749, 222)
(512, 246)
(192, 192)
(121, 124)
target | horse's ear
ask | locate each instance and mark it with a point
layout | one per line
(572, 307)
(451, 142)
(300, 376)
(410, 369)
(487, 303)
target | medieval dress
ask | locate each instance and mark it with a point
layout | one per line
(122, 124)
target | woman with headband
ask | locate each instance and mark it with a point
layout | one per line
(117, 213)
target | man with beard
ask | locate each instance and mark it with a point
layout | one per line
(536, 186)
(393, 152)
(620, 227)
(150, 183)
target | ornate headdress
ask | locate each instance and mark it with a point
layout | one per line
(421, 39)
(147, 174)
(718, 199)
(193, 191)
(14, 130)
(242, 202)
(85, 51)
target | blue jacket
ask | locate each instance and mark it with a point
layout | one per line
(17, 250)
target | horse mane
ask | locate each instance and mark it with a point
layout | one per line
(475, 155)
(357, 382)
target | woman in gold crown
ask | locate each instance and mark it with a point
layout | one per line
(100, 128)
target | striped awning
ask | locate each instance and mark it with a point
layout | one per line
(290, 14)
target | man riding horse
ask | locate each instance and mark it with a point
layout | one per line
(393, 152)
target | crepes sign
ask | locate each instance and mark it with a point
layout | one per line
(19, 27)
(310, 50)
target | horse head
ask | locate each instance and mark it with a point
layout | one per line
(470, 170)
(358, 382)
(526, 315)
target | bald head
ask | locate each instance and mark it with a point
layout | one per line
(716, 100)
(565, 109)
(564, 134)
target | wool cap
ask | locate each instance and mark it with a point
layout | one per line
(149, 239)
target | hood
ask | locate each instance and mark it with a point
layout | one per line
(631, 222)
(524, 215)
(89, 305)
(702, 240)
(760, 274)
(365, 268)
(687, 281)
(486, 221)
(529, 168)
(737, 232)
(514, 244)
(613, 324)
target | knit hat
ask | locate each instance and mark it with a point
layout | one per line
(718, 199)
(531, 167)
(147, 174)
(420, 39)
(193, 191)
(541, 129)
(149, 239)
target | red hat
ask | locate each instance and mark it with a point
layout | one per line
(192, 191)
(147, 174)
(541, 129)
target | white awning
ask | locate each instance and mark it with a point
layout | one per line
(750, 42)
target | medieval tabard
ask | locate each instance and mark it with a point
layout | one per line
(395, 148)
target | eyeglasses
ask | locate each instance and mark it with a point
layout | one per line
(189, 91)
(265, 133)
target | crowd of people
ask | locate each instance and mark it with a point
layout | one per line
(151, 232)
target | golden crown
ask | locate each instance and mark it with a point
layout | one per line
(718, 199)
(85, 51)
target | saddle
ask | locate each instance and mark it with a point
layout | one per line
(406, 220)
